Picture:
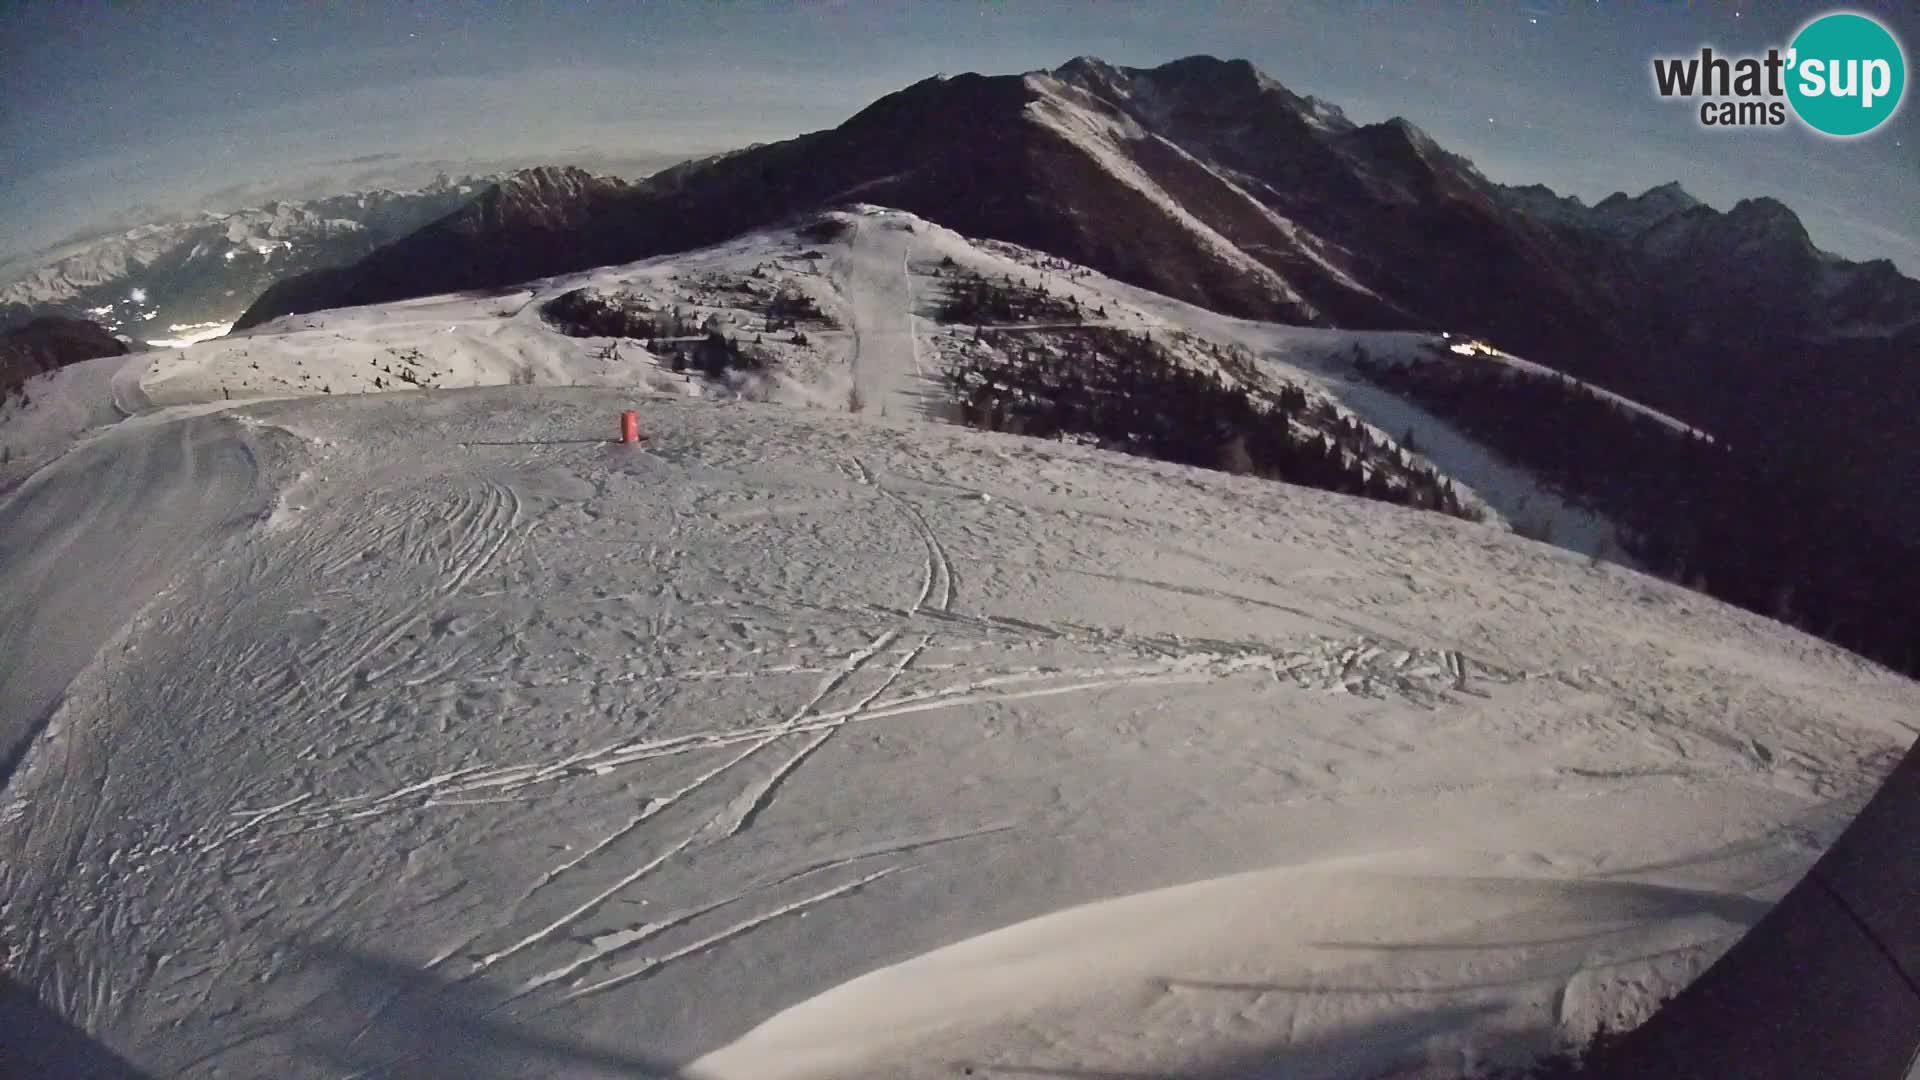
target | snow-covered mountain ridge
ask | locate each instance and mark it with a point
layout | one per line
(878, 285)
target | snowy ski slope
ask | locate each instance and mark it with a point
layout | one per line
(429, 733)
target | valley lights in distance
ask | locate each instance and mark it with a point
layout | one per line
(1843, 74)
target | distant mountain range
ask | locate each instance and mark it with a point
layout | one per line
(195, 277)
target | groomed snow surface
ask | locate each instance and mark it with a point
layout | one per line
(62, 407)
(429, 733)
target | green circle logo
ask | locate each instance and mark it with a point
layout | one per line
(1846, 74)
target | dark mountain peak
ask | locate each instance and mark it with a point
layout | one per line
(1240, 82)
(1769, 221)
(1626, 215)
(1402, 125)
(1776, 260)
(936, 104)
(544, 174)
(1110, 83)
(1410, 139)
(1542, 191)
(549, 183)
(1086, 67)
(1397, 143)
(1765, 221)
(1763, 209)
(1883, 269)
(1326, 115)
(1232, 91)
(1402, 164)
(1226, 74)
(1668, 198)
(1671, 191)
(547, 196)
(1545, 205)
(673, 175)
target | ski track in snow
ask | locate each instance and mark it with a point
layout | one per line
(873, 273)
(640, 750)
(936, 583)
(652, 964)
(1357, 667)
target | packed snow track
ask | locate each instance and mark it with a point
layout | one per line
(871, 269)
(432, 734)
(95, 536)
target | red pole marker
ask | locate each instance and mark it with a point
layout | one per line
(629, 427)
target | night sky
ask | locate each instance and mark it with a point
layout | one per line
(113, 115)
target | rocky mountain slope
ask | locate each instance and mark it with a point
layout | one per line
(48, 344)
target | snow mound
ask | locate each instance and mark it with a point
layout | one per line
(1193, 980)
